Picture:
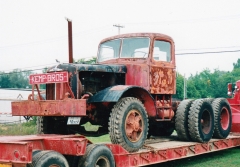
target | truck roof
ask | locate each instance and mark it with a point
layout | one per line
(147, 34)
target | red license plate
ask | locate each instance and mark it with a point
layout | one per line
(56, 77)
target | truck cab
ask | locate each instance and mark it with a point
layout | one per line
(149, 59)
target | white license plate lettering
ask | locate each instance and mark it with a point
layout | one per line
(74, 120)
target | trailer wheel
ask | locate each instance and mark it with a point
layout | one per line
(222, 118)
(128, 124)
(181, 121)
(97, 156)
(201, 121)
(48, 159)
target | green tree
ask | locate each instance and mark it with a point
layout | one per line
(179, 86)
(219, 81)
(15, 79)
(18, 79)
(192, 92)
(90, 61)
(4, 80)
(237, 64)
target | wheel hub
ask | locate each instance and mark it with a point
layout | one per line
(224, 118)
(206, 122)
(133, 125)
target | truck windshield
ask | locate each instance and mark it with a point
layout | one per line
(124, 48)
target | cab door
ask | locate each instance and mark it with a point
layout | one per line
(163, 74)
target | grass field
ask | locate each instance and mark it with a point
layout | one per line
(17, 129)
(225, 158)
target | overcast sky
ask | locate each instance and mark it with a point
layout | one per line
(34, 33)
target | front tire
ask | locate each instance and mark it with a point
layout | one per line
(128, 124)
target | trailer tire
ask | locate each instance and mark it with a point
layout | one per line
(201, 121)
(97, 155)
(222, 118)
(48, 158)
(128, 124)
(35, 152)
(181, 121)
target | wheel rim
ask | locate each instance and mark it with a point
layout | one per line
(102, 162)
(54, 166)
(224, 118)
(134, 125)
(206, 122)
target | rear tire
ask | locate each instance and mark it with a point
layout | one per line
(201, 121)
(181, 121)
(128, 124)
(97, 155)
(222, 118)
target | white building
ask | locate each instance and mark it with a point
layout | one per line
(6, 96)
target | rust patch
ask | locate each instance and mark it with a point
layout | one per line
(162, 80)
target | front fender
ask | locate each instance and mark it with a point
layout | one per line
(114, 93)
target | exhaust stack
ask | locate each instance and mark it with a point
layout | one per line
(70, 46)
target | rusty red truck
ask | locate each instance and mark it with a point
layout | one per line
(128, 94)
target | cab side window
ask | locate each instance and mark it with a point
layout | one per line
(162, 51)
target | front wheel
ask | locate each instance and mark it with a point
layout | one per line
(128, 124)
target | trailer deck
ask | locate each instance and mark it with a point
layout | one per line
(167, 149)
(17, 150)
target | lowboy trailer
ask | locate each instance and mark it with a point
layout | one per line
(70, 150)
(128, 93)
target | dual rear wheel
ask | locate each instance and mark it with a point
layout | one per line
(201, 119)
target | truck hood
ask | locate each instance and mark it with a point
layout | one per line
(116, 68)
